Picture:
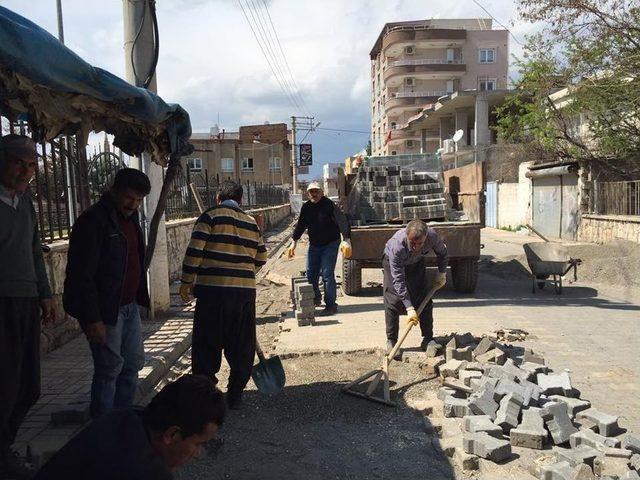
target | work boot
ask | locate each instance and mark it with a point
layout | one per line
(317, 301)
(234, 400)
(429, 344)
(390, 345)
(16, 467)
(328, 311)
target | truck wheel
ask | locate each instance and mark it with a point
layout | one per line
(464, 273)
(351, 277)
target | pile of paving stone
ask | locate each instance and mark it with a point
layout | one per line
(395, 193)
(508, 397)
(303, 300)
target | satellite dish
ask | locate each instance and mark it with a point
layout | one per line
(458, 135)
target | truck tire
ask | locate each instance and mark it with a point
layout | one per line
(464, 273)
(351, 277)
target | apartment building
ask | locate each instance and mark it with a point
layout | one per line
(255, 153)
(415, 63)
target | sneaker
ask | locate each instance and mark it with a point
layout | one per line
(328, 311)
(317, 301)
(234, 401)
(390, 345)
(16, 467)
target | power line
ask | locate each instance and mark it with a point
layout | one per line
(343, 130)
(265, 39)
(265, 56)
(284, 57)
(498, 22)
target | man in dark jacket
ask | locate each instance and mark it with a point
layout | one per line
(25, 297)
(105, 282)
(324, 223)
(144, 443)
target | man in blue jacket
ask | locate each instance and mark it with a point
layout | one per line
(104, 285)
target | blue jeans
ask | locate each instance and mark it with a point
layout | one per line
(322, 261)
(116, 363)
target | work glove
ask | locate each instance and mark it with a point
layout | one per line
(412, 316)
(440, 280)
(291, 251)
(186, 292)
(345, 248)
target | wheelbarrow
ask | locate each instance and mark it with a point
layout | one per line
(549, 262)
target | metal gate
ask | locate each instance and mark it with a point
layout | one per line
(491, 209)
(555, 204)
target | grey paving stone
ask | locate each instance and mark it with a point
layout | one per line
(486, 446)
(433, 350)
(534, 368)
(634, 462)
(451, 368)
(465, 339)
(481, 423)
(616, 452)
(456, 407)
(610, 466)
(467, 375)
(631, 442)
(477, 366)
(529, 392)
(484, 346)
(509, 412)
(630, 475)
(444, 392)
(582, 472)
(530, 433)
(462, 353)
(574, 405)
(517, 372)
(552, 384)
(607, 424)
(483, 402)
(532, 357)
(578, 455)
(558, 422)
(556, 471)
(592, 439)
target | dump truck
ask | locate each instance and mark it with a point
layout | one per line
(384, 193)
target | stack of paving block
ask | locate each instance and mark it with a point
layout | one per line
(394, 193)
(304, 302)
(507, 397)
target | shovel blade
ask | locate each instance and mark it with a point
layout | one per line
(269, 376)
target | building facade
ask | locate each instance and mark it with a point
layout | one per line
(255, 153)
(415, 63)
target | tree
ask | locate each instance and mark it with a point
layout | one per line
(591, 47)
(368, 148)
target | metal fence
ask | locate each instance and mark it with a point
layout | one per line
(182, 204)
(617, 198)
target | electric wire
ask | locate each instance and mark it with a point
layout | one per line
(498, 22)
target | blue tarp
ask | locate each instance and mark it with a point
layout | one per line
(61, 93)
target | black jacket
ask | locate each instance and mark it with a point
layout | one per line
(96, 265)
(324, 222)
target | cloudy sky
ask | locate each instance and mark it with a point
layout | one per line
(211, 64)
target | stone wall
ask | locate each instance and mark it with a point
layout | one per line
(178, 234)
(603, 228)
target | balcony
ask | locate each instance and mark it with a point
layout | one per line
(394, 42)
(424, 61)
(410, 101)
(426, 69)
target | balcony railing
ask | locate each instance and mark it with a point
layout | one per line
(424, 61)
(421, 93)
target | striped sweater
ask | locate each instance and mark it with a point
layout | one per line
(224, 251)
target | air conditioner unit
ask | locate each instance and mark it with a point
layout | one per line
(410, 82)
(410, 50)
(409, 144)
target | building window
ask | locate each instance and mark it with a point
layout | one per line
(487, 55)
(488, 85)
(393, 152)
(247, 164)
(227, 165)
(195, 164)
(275, 164)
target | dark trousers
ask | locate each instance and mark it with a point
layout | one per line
(19, 363)
(225, 320)
(417, 286)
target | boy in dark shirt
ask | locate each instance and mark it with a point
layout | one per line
(144, 443)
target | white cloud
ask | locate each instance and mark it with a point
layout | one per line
(211, 65)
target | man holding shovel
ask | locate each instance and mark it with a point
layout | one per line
(219, 270)
(405, 279)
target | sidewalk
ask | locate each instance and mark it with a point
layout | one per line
(588, 330)
(67, 372)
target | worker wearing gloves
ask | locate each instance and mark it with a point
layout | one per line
(405, 279)
(324, 222)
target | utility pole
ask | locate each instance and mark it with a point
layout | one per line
(139, 53)
(294, 155)
(60, 25)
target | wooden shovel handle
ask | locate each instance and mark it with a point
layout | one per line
(259, 351)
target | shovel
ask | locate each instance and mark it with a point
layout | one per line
(268, 375)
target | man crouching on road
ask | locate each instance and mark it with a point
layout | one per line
(144, 443)
(405, 279)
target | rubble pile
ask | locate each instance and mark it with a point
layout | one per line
(507, 397)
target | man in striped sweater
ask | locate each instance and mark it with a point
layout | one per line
(219, 269)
